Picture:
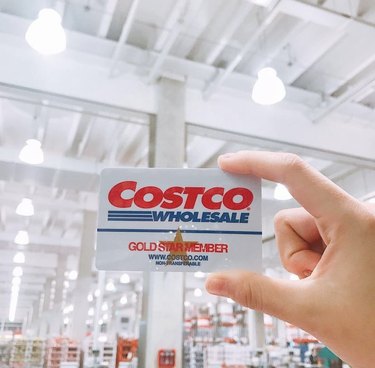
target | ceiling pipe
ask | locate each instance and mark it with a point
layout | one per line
(124, 36)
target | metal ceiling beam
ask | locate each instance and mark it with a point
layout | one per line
(351, 94)
(75, 73)
(105, 23)
(297, 8)
(173, 19)
(267, 143)
(124, 36)
(223, 74)
(229, 30)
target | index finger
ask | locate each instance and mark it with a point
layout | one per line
(316, 193)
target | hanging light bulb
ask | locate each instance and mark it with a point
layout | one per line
(17, 271)
(72, 275)
(32, 153)
(269, 88)
(22, 237)
(198, 292)
(124, 300)
(110, 286)
(25, 207)
(124, 279)
(281, 193)
(45, 34)
(19, 257)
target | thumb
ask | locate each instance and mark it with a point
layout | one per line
(284, 299)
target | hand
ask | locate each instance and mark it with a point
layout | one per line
(329, 243)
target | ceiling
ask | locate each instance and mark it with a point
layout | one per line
(91, 107)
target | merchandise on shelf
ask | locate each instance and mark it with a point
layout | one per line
(28, 353)
(62, 350)
(104, 356)
(126, 352)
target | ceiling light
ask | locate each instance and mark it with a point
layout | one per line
(110, 286)
(90, 298)
(105, 307)
(32, 152)
(91, 312)
(97, 293)
(25, 207)
(199, 274)
(124, 300)
(269, 88)
(125, 278)
(45, 34)
(198, 292)
(17, 271)
(73, 275)
(105, 317)
(281, 193)
(16, 281)
(66, 320)
(22, 238)
(19, 257)
(186, 303)
(100, 322)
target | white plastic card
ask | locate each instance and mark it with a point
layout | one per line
(178, 220)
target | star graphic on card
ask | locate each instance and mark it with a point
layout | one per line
(178, 247)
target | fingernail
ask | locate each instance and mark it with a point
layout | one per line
(215, 285)
(307, 273)
(226, 155)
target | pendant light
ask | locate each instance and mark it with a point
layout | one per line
(32, 152)
(269, 88)
(19, 257)
(25, 207)
(45, 34)
(22, 238)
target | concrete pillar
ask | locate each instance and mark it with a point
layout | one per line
(55, 316)
(34, 318)
(256, 329)
(281, 332)
(47, 295)
(84, 280)
(161, 325)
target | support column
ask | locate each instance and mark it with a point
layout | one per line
(55, 316)
(161, 324)
(84, 280)
(256, 332)
(281, 332)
